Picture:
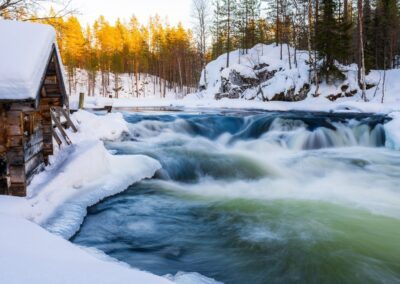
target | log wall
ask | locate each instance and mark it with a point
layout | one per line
(3, 158)
(26, 132)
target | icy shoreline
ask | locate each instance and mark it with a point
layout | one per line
(84, 174)
(314, 104)
(391, 109)
(80, 175)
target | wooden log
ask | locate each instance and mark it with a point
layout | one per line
(15, 141)
(35, 138)
(33, 150)
(52, 89)
(14, 130)
(17, 174)
(51, 101)
(15, 156)
(17, 189)
(50, 79)
(34, 172)
(33, 164)
(14, 117)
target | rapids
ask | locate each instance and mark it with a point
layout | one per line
(257, 197)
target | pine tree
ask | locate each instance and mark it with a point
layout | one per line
(217, 31)
(227, 14)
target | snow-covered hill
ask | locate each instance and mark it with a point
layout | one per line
(261, 75)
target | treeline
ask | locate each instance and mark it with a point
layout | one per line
(365, 32)
(158, 49)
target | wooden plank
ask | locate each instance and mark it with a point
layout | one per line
(56, 137)
(70, 123)
(61, 129)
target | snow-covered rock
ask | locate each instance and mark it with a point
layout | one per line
(261, 75)
(392, 131)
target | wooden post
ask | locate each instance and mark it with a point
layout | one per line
(81, 100)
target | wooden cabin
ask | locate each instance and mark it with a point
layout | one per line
(31, 85)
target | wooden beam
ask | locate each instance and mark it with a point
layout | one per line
(61, 128)
(67, 117)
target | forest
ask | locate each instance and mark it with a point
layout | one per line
(364, 32)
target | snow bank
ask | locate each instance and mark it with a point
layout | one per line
(22, 68)
(88, 175)
(198, 103)
(392, 131)
(80, 175)
(109, 127)
(29, 254)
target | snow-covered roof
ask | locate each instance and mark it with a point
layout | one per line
(24, 52)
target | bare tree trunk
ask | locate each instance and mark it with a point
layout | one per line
(361, 43)
(384, 75)
(228, 41)
(310, 59)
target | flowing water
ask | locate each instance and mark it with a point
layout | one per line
(257, 197)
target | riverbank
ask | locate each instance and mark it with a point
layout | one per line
(311, 104)
(84, 174)
(79, 176)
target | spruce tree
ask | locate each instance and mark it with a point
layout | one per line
(332, 40)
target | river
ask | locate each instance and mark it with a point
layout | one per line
(256, 197)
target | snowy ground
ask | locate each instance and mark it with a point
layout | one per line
(83, 174)
(80, 175)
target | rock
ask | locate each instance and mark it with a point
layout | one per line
(279, 97)
(260, 66)
(291, 96)
(333, 98)
(344, 88)
(370, 86)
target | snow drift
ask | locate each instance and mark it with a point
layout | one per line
(79, 176)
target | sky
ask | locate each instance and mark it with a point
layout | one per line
(176, 10)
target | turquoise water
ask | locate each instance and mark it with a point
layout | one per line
(253, 197)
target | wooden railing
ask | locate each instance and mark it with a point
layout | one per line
(57, 113)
